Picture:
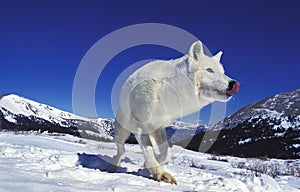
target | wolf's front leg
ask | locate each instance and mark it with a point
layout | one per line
(159, 174)
(160, 141)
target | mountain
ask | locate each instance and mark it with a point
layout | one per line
(21, 114)
(269, 127)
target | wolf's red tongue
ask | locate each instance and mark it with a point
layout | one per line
(234, 90)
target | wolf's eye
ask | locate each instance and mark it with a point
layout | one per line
(210, 70)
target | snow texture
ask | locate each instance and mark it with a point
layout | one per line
(65, 163)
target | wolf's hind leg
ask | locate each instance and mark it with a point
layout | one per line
(120, 136)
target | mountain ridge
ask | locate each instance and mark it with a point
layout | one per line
(268, 127)
(20, 114)
(288, 103)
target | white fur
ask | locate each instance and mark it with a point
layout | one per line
(160, 92)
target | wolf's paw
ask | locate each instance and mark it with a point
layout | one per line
(165, 177)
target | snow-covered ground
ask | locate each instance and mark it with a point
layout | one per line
(65, 163)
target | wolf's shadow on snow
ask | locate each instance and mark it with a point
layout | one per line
(103, 162)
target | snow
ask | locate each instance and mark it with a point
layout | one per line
(279, 134)
(65, 163)
(296, 145)
(269, 113)
(10, 119)
(285, 124)
(245, 141)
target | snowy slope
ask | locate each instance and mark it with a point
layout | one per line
(21, 114)
(21, 106)
(67, 163)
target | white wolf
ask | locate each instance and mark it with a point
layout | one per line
(160, 92)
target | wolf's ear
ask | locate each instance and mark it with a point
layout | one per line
(196, 50)
(217, 57)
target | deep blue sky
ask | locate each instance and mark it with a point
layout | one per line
(43, 42)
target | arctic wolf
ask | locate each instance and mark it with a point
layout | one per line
(160, 92)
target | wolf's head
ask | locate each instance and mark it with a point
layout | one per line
(210, 81)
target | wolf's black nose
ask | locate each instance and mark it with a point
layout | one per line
(233, 88)
(231, 83)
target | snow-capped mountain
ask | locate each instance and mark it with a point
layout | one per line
(267, 127)
(21, 114)
(281, 111)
